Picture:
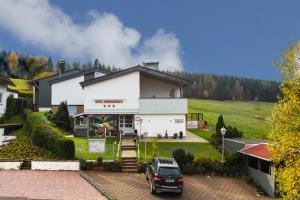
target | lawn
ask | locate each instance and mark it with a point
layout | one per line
(252, 118)
(165, 149)
(81, 149)
(21, 85)
(202, 133)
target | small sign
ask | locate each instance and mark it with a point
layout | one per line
(96, 145)
(178, 121)
(192, 124)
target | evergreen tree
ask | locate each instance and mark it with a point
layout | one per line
(50, 64)
(220, 124)
(96, 63)
(61, 117)
(10, 106)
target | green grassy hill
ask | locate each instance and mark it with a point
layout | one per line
(253, 118)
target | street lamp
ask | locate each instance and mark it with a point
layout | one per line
(145, 134)
(223, 131)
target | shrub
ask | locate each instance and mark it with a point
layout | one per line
(43, 136)
(100, 161)
(166, 134)
(234, 159)
(233, 132)
(180, 134)
(83, 165)
(114, 166)
(159, 136)
(179, 156)
(61, 117)
(142, 167)
(189, 168)
(49, 115)
(175, 136)
(11, 108)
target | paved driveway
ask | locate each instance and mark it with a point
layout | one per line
(29, 184)
(135, 187)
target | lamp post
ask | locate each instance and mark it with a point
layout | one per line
(145, 134)
(113, 151)
(223, 131)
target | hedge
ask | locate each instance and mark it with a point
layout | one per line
(45, 137)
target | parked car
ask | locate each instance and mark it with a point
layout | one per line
(164, 175)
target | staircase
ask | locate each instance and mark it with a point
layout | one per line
(129, 160)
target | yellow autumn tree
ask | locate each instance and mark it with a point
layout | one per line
(285, 133)
(12, 60)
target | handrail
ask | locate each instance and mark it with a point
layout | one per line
(138, 145)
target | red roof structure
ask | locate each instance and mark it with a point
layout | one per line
(259, 151)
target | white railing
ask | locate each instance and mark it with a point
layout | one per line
(138, 146)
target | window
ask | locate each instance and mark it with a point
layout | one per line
(168, 171)
(252, 162)
(172, 93)
(265, 166)
(1, 97)
(72, 110)
(121, 121)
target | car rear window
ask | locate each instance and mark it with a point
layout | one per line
(168, 171)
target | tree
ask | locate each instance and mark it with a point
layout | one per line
(96, 63)
(12, 60)
(50, 64)
(238, 91)
(61, 117)
(285, 134)
(11, 108)
(220, 124)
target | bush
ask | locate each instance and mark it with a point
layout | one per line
(189, 168)
(49, 115)
(11, 108)
(83, 165)
(114, 166)
(43, 136)
(142, 167)
(180, 134)
(175, 136)
(61, 117)
(159, 136)
(182, 158)
(233, 132)
(166, 135)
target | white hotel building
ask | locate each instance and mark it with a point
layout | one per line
(135, 100)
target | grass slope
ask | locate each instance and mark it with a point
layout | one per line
(253, 118)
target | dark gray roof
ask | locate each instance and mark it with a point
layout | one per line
(78, 74)
(144, 71)
(54, 76)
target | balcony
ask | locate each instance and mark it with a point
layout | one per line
(163, 106)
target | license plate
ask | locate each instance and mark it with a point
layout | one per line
(169, 181)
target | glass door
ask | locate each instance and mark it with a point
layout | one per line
(126, 124)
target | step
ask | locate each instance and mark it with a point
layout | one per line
(129, 170)
(128, 159)
(128, 148)
(129, 164)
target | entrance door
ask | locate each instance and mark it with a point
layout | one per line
(126, 124)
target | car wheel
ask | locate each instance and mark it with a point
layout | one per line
(153, 191)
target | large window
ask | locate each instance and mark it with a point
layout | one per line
(252, 162)
(128, 121)
(72, 110)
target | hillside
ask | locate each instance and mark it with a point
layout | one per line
(253, 118)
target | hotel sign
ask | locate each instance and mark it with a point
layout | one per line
(109, 102)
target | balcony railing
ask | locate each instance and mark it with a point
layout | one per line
(163, 106)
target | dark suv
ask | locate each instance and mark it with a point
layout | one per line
(164, 175)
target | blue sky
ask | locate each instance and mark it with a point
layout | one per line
(232, 37)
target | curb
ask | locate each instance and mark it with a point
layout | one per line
(96, 185)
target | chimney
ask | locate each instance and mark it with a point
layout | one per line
(61, 66)
(153, 64)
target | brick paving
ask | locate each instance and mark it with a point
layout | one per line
(129, 186)
(27, 184)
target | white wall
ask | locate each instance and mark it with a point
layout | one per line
(68, 90)
(55, 165)
(125, 87)
(3, 90)
(10, 165)
(152, 87)
(16, 95)
(158, 124)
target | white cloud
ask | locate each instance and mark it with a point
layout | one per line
(105, 37)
